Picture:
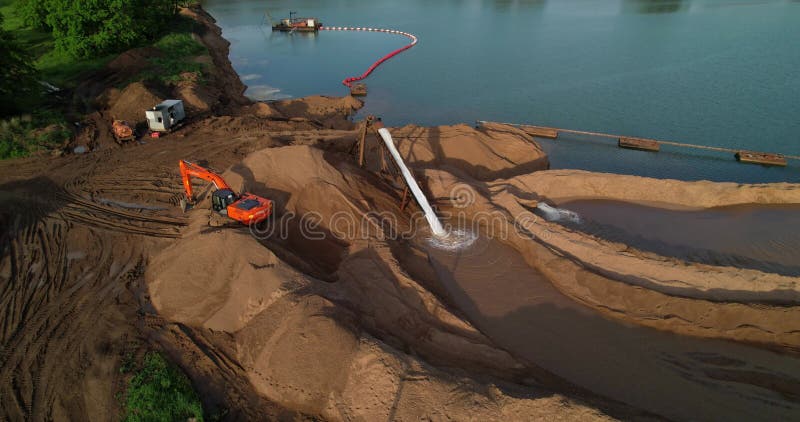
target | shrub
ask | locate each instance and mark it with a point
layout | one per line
(180, 44)
(161, 392)
(22, 135)
(17, 74)
(176, 61)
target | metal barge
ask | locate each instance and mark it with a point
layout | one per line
(297, 24)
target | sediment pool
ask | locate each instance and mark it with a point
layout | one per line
(675, 376)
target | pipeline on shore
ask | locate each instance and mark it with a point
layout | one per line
(433, 220)
(653, 145)
(349, 81)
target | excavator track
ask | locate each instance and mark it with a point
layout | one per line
(84, 244)
(80, 207)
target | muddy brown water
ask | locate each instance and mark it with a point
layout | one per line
(674, 376)
(761, 237)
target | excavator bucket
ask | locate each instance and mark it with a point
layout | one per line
(184, 205)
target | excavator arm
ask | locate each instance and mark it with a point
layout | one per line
(189, 170)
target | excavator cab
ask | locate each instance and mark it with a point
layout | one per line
(220, 200)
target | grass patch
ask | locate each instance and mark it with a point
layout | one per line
(180, 44)
(64, 71)
(159, 391)
(21, 136)
(179, 49)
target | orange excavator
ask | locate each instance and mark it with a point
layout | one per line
(245, 208)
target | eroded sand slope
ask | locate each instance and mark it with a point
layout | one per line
(310, 344)
(328, 300)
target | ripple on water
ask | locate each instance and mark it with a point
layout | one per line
(454, 240)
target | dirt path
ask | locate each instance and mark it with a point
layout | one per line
(78, 231)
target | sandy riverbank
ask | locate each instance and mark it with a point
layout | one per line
(403, 293)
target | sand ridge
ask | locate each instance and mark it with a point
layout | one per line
(386, 287)
(304, 342)
(608, 276)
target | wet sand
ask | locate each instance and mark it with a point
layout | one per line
(763, 237)
(674, 376)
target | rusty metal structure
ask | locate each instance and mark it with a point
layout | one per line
(372, 125)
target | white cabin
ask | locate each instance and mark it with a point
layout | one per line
(163, 117)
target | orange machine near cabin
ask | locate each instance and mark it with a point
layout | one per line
(245, 208)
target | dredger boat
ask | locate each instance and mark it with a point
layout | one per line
(297, 24)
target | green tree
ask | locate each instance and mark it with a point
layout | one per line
(33, 12)
(17, 74)
(90, 28)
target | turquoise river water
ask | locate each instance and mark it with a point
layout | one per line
(709, 72)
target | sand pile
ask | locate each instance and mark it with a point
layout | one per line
(221, 288)
(310, 345)
(330, 112)
(197, 98)
(97, 88)
(265, 110)
(308, 187)
(484, 154)
(131, 103)
(303, 180)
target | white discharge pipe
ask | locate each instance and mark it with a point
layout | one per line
(433, 221)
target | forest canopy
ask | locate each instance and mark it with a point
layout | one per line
(91, 28)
